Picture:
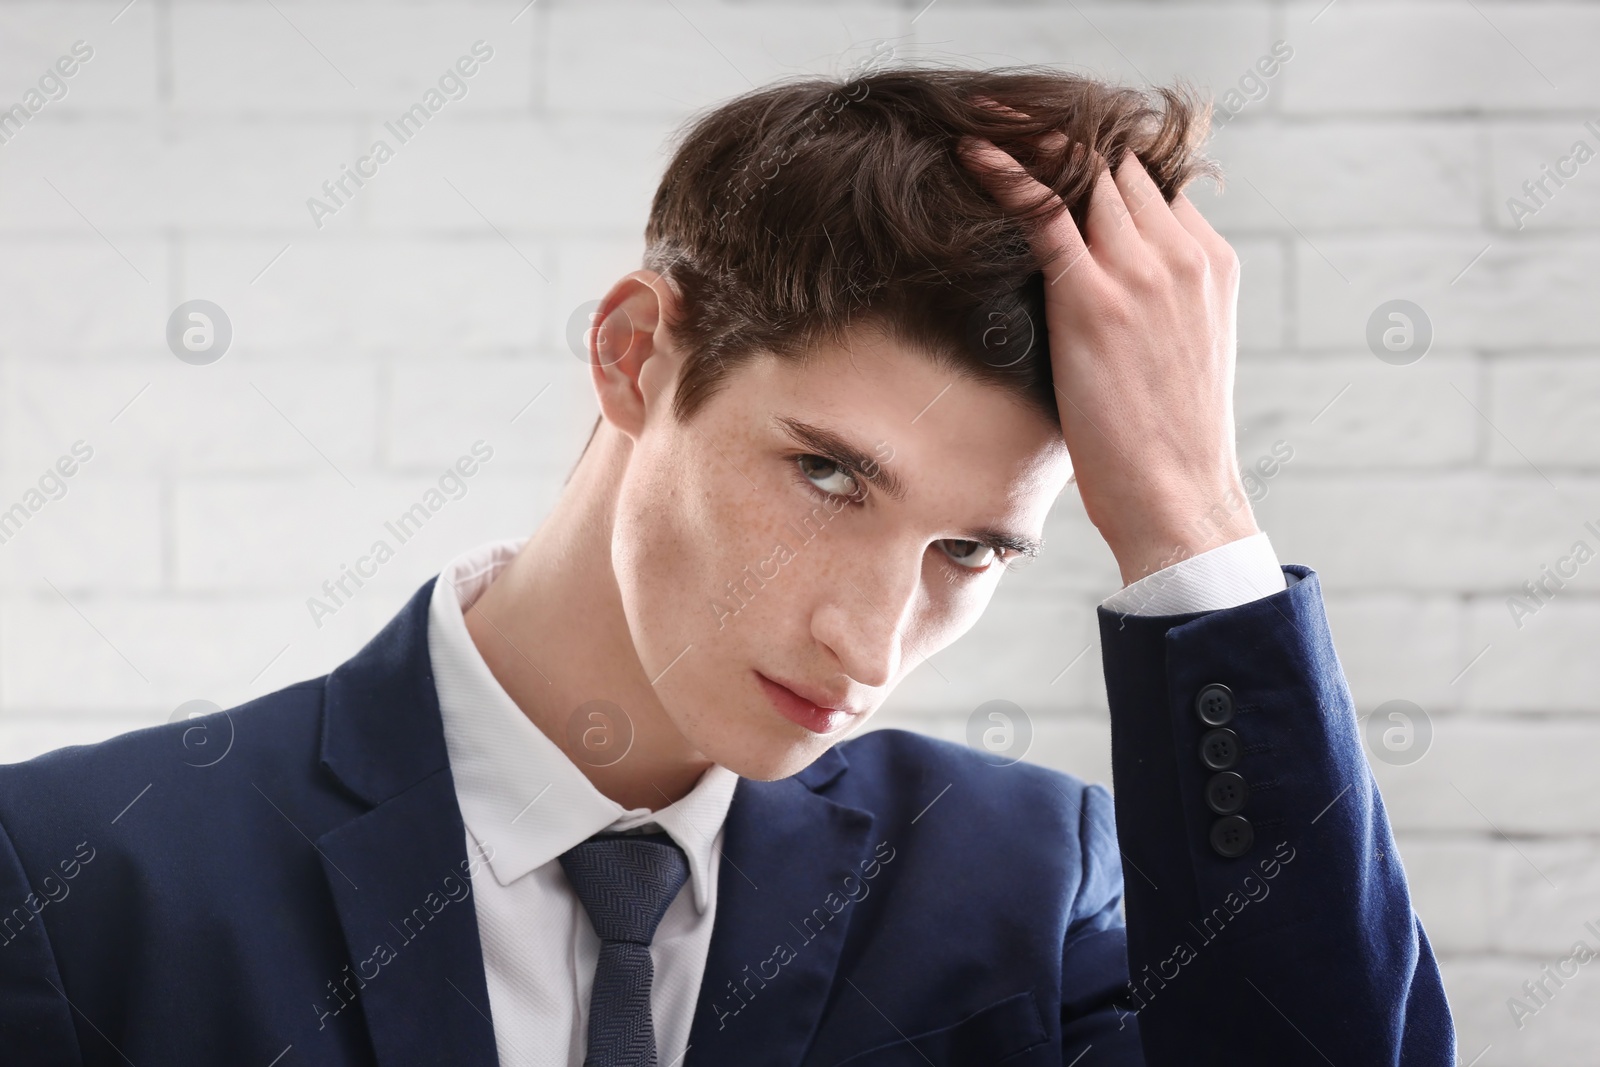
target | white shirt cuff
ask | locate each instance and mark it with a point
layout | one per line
(1223, 577)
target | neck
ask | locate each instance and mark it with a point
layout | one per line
(553, 632)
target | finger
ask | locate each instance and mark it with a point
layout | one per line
(1113, 237)
(1057, 245)
(1114, 209)
(994, 105)
(1106, 199)
(1188, 216)
(1146, 205)
(1049, 142)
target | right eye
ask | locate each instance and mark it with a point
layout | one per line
(827, 476)
(970, 557)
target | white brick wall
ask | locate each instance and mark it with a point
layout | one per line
(427, 312)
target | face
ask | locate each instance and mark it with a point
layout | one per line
(814, 533)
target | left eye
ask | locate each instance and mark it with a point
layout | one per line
(968, 554)
(828, 476)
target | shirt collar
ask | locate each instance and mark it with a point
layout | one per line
(523, 799)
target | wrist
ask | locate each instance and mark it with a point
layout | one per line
(1160, 541)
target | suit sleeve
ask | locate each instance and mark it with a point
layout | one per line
(1268, 917)
(35, 1019)
(1094, 958)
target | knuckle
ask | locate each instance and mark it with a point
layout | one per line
(1190, 261)
(1146, 273)
(1226, 261)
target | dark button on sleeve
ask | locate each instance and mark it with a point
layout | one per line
(1226, 792)
(1232, 836)
(1219, 749)
(1214, 704)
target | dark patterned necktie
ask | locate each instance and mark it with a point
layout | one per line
(625, 882)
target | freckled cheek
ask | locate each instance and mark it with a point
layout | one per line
(694, 531)
(715, 526)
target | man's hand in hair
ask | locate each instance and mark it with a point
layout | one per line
(1141, 318)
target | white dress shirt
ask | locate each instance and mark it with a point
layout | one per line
(524, 803)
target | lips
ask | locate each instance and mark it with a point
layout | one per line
(818, 718)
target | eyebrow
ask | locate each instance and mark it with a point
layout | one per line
(847, 454)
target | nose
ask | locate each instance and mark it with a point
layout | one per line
(864, 612)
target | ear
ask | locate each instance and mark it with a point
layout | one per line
(632, 360)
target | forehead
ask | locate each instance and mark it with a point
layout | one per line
(926, 421)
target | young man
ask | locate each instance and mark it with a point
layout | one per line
(588, 798)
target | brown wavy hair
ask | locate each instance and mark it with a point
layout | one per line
(807, 206)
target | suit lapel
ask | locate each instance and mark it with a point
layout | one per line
(399, 873)
(782, 915)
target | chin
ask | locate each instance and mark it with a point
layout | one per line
(765, 753)
(767, 759)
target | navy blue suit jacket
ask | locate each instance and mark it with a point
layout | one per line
(210, 891)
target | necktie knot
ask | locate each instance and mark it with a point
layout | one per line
(626, 882)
